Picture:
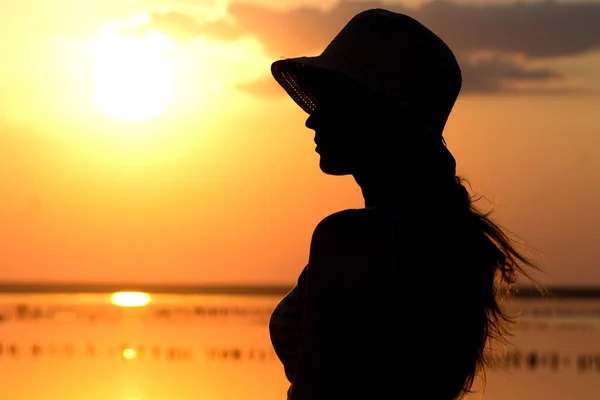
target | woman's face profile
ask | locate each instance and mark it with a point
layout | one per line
(347, 123)
(336, 137)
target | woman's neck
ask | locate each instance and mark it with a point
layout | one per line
(383, 192)
(398, 192)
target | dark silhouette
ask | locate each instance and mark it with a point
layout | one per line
(356, 326)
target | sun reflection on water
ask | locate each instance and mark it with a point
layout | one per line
(129, 354)
(130, 299)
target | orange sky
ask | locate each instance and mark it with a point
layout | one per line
(221, 183)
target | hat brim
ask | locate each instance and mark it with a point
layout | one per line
(299, 78)
(292, 74)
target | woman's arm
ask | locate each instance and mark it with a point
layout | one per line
(346, 248)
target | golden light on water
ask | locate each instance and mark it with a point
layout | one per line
(130, 299)
(129, 354)
(133, 74)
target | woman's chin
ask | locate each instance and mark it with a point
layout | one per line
(333, 168)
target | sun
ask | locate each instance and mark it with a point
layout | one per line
(133, 77)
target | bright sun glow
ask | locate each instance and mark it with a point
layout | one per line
(130, 299)
(128, 354)
(133, 75)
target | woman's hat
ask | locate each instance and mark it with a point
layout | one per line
(389, 53)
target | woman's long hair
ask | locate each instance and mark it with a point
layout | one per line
(501, 264)
(477, 267)
(472, 266)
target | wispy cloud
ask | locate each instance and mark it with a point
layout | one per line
(531, 31)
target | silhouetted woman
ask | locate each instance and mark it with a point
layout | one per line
(400, 298)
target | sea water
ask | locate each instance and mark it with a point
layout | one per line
(217, 347)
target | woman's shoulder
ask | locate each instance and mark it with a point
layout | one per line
(349, 243)
(350, 217)
(361, 222)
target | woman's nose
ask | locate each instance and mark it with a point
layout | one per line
(313, 119)
(310, 121)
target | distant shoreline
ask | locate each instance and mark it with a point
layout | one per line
(565, 292)
(91, 288)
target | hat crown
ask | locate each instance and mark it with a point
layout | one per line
(398, 56)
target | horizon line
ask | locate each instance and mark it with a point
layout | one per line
(15, 287)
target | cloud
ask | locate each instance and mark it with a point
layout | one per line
(177, 24)
(533, 31)
(544, 29)
(493, 74)
(265, 86)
